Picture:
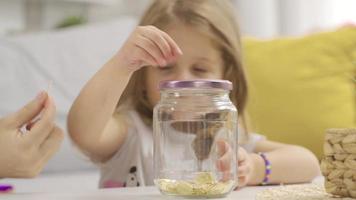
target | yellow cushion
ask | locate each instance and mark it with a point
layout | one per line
(301, 86)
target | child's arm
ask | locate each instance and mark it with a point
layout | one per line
(91, 121)
(290, 164)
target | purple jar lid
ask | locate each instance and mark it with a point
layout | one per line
(202, 83)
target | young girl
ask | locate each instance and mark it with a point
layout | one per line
(111, 120)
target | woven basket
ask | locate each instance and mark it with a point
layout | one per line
(339, 163)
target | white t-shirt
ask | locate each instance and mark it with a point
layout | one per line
(132, 164)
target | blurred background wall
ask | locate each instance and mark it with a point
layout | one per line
(260, 18)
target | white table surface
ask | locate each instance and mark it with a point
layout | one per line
(83, 186)
(149, 193)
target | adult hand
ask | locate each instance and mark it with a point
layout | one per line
(26, 145)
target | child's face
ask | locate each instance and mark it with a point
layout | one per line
(201, 59)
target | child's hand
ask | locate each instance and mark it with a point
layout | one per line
(225, 157)
(148, 46)
(245, 167)
(245, 164)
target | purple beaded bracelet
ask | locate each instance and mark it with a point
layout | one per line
(267, 168)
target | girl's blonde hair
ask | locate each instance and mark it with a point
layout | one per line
(215, 18)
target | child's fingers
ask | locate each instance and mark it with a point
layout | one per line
(222, 147)
(155, 36)
(152, 49)
(226, 176)
(242, 181)
(224, 164)
(241, 155)
(224, 150)
(147, 58)
(175, 50)
(243, 170)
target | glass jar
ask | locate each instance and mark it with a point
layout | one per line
(195, 139)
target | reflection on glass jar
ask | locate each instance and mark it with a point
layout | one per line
(195, 139)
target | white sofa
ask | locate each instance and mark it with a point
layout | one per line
(68, 58)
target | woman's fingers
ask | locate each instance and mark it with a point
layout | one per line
(28, 112)
(52, 143)
(43, 127)
(31, 124)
